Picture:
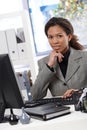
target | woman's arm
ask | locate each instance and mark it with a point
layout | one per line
(40, 87)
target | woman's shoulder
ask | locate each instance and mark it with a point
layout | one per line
(44, 59)
(84, 53)
(81, 52)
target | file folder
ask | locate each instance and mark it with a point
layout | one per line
(22, 50)
(12, 44)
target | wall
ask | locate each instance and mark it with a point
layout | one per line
(10, 9)
(8, 6)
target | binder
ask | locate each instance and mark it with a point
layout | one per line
(12, 44)
(48, 111)
(22, 50)
(3, 43)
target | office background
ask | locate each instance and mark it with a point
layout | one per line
(19, 23)
(14, 18)
(16, 35)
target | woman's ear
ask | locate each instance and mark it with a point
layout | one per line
(69, 37)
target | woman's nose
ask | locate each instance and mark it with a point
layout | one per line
(55, 40)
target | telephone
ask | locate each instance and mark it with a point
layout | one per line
(82, 103)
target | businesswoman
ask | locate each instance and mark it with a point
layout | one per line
(64, 70)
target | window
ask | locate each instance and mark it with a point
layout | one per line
(41, 11)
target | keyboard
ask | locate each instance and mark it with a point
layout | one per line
(59, 100)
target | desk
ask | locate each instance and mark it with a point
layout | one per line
(74, 121)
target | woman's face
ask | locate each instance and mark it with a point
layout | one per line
(58, 39)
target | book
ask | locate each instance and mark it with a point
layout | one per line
(47, 111)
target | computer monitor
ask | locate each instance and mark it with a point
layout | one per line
(8, 84)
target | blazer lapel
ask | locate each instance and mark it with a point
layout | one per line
(58, 72)
(73, 64)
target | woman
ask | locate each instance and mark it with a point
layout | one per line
(65, 69)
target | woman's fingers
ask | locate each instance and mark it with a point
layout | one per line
(69, 92)
(60, 57)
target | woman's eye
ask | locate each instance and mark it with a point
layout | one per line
(50, 37)
(59, 36)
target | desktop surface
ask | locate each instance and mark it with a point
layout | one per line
(74, 121)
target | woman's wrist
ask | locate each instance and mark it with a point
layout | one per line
(51, 68)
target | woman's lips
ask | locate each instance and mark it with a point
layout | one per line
(56, 47)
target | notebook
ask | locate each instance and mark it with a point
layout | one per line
(48, 111)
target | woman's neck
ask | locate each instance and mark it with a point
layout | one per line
(65, 50)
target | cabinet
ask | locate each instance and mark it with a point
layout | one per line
(16, 39)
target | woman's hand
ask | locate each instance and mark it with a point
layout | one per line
(53, 57)
(69, 93)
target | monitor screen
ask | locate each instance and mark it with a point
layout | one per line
(8, 83)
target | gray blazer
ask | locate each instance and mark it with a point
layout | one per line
(76, 76)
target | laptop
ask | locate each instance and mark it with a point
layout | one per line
(48, 111)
